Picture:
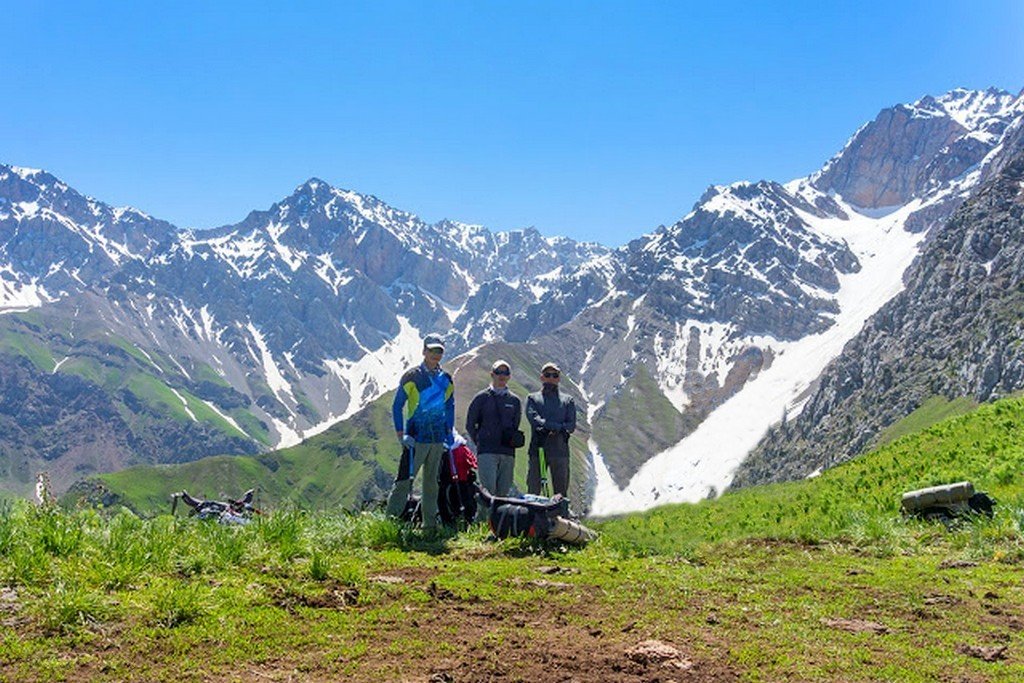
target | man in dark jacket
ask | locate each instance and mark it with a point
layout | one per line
(553, 418)
(492, 422)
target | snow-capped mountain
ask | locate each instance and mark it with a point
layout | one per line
(952, 334)
(272, 328)
(842, 239)
(687, 343)
(53, 241)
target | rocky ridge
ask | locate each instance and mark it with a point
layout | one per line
(245, 336)
(953, 332)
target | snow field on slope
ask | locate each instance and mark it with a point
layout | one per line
(704, 462)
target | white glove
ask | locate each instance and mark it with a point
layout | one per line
(408, 442)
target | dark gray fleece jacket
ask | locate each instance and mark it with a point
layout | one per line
(552, 415)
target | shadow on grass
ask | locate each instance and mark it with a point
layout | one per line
(440, 542)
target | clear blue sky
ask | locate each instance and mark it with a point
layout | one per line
(593, 120)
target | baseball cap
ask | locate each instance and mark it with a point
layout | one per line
(433, 341)
(550, 366)
(501, 364)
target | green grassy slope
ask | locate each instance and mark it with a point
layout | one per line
(83, 400)
(819, 580)
(337, 468)
(115, 365)
(860, 497)
(932, 411)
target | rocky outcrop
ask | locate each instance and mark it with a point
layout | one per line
(912, 149)
(884, 162)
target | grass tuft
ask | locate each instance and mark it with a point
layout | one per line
(68, 607)
(179, 603)
(319, 566)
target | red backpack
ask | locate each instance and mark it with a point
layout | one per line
(455, 494)
(465, 463)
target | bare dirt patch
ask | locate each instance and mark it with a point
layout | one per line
(330, 595)
(537, 642)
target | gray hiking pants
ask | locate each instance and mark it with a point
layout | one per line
(557, 474)
(428, 456)
(494, 472)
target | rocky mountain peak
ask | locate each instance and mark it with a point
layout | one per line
(37, 190)
(743, 256)
(55, 241)
(33, 177)
(28, 191)
(975, 110)
(910, 150)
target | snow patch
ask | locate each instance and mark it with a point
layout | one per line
(17, 296)
(287, 437)
(184, 403)
(378, 371)
(271, 372)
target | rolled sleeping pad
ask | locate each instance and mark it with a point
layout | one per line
(571, 532)
(945, 495)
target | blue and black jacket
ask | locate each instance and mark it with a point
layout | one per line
(428, 399)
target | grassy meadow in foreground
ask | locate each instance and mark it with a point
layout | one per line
(813, 580)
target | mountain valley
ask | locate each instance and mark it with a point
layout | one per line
(126, 341)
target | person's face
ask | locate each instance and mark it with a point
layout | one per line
(500, 377)
(432, 357)
(551, 377)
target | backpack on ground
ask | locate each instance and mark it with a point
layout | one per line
(226, 512)
(947, 502)
(456, 486)
(535, 517)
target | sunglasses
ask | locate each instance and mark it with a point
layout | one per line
(501, 372)
(551, 375)
(437, 352)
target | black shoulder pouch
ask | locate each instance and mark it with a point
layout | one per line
(510, 437)
(513, 438)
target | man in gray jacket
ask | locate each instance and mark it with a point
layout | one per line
(492, 422)
(553, 418)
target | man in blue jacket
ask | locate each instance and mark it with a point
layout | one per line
(424, 416)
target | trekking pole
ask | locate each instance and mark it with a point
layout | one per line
(543, 462)
(412, 457)
(454, 470)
